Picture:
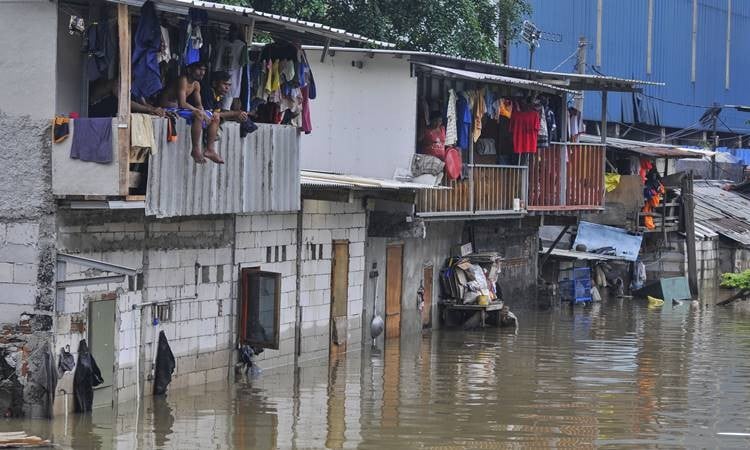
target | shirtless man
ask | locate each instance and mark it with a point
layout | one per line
(183, 96)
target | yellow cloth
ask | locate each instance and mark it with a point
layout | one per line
(611, 181)
(142, 137)
(275, 76)
(479, 110)
(506, 108)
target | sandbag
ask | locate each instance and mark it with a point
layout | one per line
(165, 365)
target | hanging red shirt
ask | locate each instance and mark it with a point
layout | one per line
(524, 127)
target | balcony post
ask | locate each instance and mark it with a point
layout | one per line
(123, 111)
(604, 143)
(563, 152)
(471, 174)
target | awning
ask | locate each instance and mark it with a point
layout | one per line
(450, 72)
(649, 149)
(723, 212)
(583, 256)
(313, 179)
(289, 28)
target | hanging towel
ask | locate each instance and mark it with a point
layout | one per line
(142, 138)
(451, 132)
(479, 110)
(165, 364)
(92, 140)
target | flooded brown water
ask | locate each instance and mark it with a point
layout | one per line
(608, 375)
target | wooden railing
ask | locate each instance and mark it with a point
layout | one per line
(489, 190)
(567, 177)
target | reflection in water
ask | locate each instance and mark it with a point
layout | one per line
(610, 374)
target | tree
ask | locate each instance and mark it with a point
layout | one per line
(467, 28)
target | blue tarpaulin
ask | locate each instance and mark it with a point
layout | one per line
(594, 236)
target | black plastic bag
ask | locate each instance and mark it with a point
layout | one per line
(165, 365)
(67, 362)
(86, 377)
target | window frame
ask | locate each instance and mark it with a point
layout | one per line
(246, 274)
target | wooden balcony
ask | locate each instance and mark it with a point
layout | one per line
(567, 177)
(489, 190)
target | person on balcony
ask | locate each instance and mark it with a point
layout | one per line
(433, 138)
(214, 101)
(183, 96)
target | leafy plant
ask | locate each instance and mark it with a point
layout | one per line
(736, 280)
(467, 28)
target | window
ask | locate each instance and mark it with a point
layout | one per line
(260, 302)
(161, 312)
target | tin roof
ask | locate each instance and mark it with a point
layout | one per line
(650, 149)
(724, 212)
(451, 72)
(289, 28)
(313, 179)
(572, 81)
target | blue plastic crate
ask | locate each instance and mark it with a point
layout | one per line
(578, 273)
(575, 291)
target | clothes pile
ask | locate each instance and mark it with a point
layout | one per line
(653, 190)
(464, 280)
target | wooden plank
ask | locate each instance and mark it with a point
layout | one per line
(427, 282)
(123, 111)
(339, 296)
(393, 282)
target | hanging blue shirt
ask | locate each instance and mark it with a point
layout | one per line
(463, 121)
(147, 44)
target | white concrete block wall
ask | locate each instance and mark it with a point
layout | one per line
(19, 265)
(323, 222)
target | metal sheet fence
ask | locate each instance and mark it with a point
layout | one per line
(567, 177)
(260, 174)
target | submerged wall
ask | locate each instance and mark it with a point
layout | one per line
(27, 251)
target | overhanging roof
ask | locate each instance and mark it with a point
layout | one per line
(450, 72)
(649, 149)
(572, 81)
(289, 28)
(724, 212)
(326, 180)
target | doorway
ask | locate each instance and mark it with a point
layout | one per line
(102, 322)
(427, 297)
(339, 296)
(393, 280)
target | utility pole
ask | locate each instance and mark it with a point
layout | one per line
(714, 143)
(580, 68)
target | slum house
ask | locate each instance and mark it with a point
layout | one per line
(643, 197)
(722, 222)
(487, 206)
(103, 241)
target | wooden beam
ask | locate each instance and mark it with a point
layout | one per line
(123, 112)
(688, 205)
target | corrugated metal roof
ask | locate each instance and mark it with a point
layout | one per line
(724, 212)
(263, 21)
(261, 173)
(451, 72)
(569, 80)
(650, 149)
(309, 178)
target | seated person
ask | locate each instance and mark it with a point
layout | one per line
(104, 100)
(213, 100)
(433, 139)
(183, 96)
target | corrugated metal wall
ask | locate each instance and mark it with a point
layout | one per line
(260, 174)
(624, 54)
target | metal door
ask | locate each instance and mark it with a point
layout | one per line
(393, 280)
(102, 343)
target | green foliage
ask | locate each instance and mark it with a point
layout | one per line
(468, 28)
(736, 280)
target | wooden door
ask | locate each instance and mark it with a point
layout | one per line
(427, 295)
(339, 296)
(101, 345)
(393, 280)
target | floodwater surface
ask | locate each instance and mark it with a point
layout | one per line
(615, 374)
